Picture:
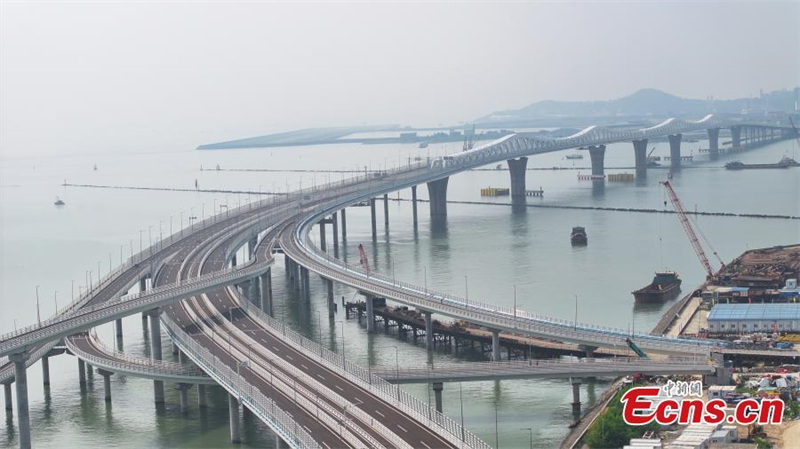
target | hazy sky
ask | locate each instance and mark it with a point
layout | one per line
(167, 76)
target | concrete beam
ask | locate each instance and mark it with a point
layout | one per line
(675, 151)
(437, 192)
(640, 156)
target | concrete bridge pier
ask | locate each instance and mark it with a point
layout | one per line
(640, 156)
(81, 372)
(428, 330)
(713, 143)
(589, 350)
(331, 303)
(233, 411)
(202, 401)
(305, 282)
(253, 291)
(675, 151)
(234, 261)
(251, 247)
(386, 211)
(45, 371)
(517, 170)
(437, 395)
(495, 345)
(437, 192)
(9, 401)
(736, 136)
(344, 226)
(414, 204)
(106, 383)
(21, 383)
(183, 389)
(335, 224)
(266, 292)
(576, 394)
(155, 350)
(118, 330)
(374, 219)
(597, 154)
(322, 243)
(370, 314)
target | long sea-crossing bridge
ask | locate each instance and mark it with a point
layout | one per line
(217, 310)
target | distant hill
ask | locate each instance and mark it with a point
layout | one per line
(648, 102)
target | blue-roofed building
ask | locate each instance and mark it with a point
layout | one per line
(746, 318)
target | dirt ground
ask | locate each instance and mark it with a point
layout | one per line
(785, 436)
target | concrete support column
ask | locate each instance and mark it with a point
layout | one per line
(253, 287)
(322, 243)
(386, 210)
(106, 383)
(45, 370)
(437, 395)
(370, 314)
(640, 156)
(437, 192)
(495, 345)
(21, 383)
(155, 351)
(202, 401)
(183, 389)
(118, 327)
(428, 330)
(736, 136)
(517, 168)
(374, 219)
(233, 261)
(713, 143)
(589, 350)
(598, 154)
(335, 224)
(251, 247)
(344, 226)
(9, 401)
(81, 372)
(331, 304)
(175, 349)
(675, 151)
(414, 204)
(305, 280)
(266, 292)
(576, 394)
(233, 411)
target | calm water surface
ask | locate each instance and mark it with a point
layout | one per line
(486, 250)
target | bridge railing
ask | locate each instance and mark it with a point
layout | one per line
(363, 377)
(277, 418)
(119, 360)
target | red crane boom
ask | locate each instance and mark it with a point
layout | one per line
(698, 249)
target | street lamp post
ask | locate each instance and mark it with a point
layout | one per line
(343, 343)
(38, 315)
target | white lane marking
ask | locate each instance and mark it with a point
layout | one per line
(306, 427)
(357, 401)
(339, 388)
(382, 415)
(276, 348)
(401, 428)
(264, 340)
(304, 367)
(289, 357)
(326, 444)
(423, 443)
(321, 376)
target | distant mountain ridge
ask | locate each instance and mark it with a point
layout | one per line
(649, 102)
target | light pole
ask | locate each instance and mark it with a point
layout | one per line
(576, 312)
(343, 345)
(515, 306)
(38, 316)
(530, 430)
(319, 320)
(425, 268)
(461, 399)
(396, 363)
(466, 288)
(55, 298)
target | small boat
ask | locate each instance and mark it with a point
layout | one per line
(574, 156)
(737, 165)
(499, 167)
(423, 145)
(417, 158)
(665, 286)
(95, 167)
(578, 236)
(651, 164)
(59, 202)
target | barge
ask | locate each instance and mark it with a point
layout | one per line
(665, 286)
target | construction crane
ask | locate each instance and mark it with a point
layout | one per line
(684, 219)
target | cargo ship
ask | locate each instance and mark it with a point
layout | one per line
(574, 156)
(578, 236)
(665, 286)
(786, 162)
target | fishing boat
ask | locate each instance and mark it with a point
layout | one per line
(59, 202)
(578, 236)
(423, 145)
(574, 156)
(665, 286)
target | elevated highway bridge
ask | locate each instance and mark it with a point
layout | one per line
(256, 359)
